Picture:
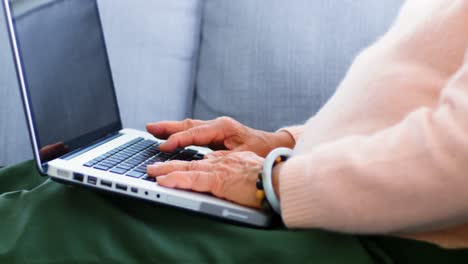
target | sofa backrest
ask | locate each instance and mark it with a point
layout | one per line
(153, 48)
(265, 63)
(274, 63)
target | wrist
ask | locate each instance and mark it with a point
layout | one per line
(268, 141)
(272, 162)
(283, 139)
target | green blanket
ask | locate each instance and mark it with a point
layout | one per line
(43, 221)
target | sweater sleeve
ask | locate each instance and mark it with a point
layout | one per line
(294, 131)
(409, 177)
(402, 71)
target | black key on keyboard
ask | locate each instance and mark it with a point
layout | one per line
(190, 152)
(148, 178)
(182, 156)
(159, 159)
(165, 156)
(187, 154)
(136, 153)
(141, 169)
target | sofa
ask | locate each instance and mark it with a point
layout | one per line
(266, 64)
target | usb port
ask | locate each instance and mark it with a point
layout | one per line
(121, 187)
(78, 177)
(134, 190)
(92, 180)
(106, 183)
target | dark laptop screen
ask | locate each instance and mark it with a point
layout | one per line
(67, 73)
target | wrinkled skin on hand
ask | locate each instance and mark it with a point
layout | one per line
(231, 171)
(223, 134)
(231, 176)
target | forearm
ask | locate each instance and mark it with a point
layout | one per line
(408, 177)
(374, 189)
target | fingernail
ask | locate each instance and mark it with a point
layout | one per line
(164, 147)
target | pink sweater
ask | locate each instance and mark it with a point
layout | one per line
(388, 154)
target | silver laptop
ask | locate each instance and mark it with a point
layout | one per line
(72, 113)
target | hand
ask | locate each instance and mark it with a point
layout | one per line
(223, 133)
(232, 177)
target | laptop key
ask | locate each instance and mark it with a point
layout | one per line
(113, 159)
(137, 153)
(107, 164)
(133, 163)
(118, 170)
(141, 169)
(183, 156)
(100, 167)
(135, 174)
(89, 164)
(159, 159)
(148, 178)
(162, 157)
(125, 166)
(190, 151)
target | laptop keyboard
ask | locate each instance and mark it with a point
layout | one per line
(131, 158)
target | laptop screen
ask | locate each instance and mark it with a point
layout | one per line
(66, 73)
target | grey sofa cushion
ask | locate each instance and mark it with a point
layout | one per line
(14, 140)
(274, 63)
(153, 47)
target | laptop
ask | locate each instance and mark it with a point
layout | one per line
(73, 116)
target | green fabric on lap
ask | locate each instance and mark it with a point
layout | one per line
(43, 221)
(410, 251)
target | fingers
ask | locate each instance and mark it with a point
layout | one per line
(200, 135)
(200, 181)
(172, 166)
(164, 129)
(194, 175)
(224, 153)
(217, 154)
(231, 177)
